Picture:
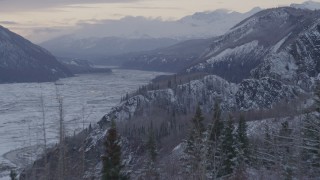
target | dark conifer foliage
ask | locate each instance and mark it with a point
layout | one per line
(112, 167)
(198, 121)
(285, 151)
(228, 147)
(151, 169)
(311, 142)
(196, 146)
(243, 141)
(311, 138)
(152, 146)
(13, 175)
(217, 123)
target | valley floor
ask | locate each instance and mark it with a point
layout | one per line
(86, 98)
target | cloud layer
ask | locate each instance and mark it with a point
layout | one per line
(17, 5)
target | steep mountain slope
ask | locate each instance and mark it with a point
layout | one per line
(22, 61)
(280, 43)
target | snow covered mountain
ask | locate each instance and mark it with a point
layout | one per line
(179, 56)
(136, 34)
(215, 23)
(196, 26)
(312, 5)
(280, 43)
(22, 61)
(172, 59)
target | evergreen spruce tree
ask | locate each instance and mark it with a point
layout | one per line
(310, 133)
(311, 141)
(197, 122)
(195, 146)
(217, 125)
(13, 175)
(284, 136)
(228, 148)
(112, 158)
(243, 141)
(214, 143)
(151, 144)
(169, 84)
(267, 155)
(90, 128)
(285, 150)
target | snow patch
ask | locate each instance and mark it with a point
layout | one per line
(279, 44)
(243, 49)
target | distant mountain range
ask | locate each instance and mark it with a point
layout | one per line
(312, 5)
(97, 48)
(172, 59)
(152, 44)
(182, 55)
(198, 25)
(22, 61)
(133, 34)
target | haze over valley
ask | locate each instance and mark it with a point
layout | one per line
(137, 89)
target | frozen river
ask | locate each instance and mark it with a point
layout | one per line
(86, 98)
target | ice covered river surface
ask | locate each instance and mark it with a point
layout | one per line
(86, 98)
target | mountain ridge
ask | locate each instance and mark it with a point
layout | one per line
(22, 61)
(163, 33)
(251, 42)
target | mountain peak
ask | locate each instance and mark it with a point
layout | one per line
(271, 37)
(280, 14)
(256, 9)
(312, 5)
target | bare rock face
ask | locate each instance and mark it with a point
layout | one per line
(22, 61)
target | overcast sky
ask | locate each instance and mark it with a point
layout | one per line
(30, 17)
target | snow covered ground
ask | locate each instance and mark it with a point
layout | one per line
(86, 98)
